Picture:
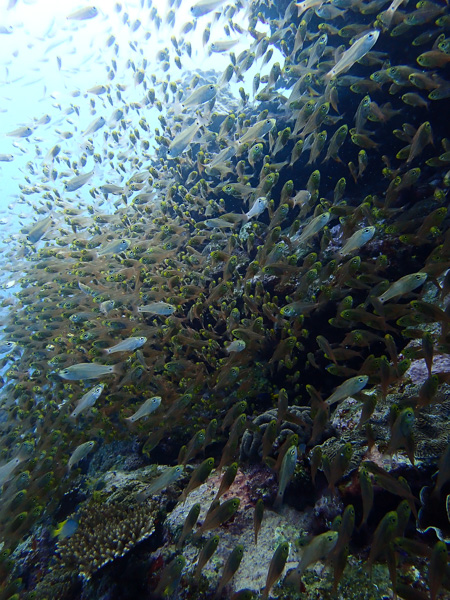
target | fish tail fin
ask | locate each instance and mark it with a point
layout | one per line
(57, 530)
(118, 368)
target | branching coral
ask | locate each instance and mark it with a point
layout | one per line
(105, 532)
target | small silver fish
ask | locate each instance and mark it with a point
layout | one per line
(89, 12)
(286, 471)
(7, 469)
(313, 227)
(106, 306)
(88, 400)
(76, 182)
(97, 90)
(221, 157)
(110, 188)
(202, 94)
(319, 547)
(52, 153)
(86, 289)
(39, 229)
(301, 198)
(128, 345)
(182, 140)
(402, 286)
(358, 239)
(217, 223)
(116, 116)
(114, 247)
(258, 207)
(307, 4)
(258, 130)
(79, 453)
(203, 7)
(166, 478)
(95, 126)
(348, 388)
(21, 132)
(235, 346)
(86, 371)
(329, 12)
(7, 347)
(44, 120)
(157, 308)
(359, 49)
(149, 406)
(222, 45)
(387, 15)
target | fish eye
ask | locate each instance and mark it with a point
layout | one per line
(268, 121)
(211, 87)
(418, 276)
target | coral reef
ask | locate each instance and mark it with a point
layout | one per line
(232, 277)
(105, 532)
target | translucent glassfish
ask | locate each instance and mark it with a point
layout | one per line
(87, 371)
(359, 49)
(149, 406)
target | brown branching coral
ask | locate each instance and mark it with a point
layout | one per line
(105, 532)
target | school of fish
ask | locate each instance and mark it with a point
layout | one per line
(214, 244)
